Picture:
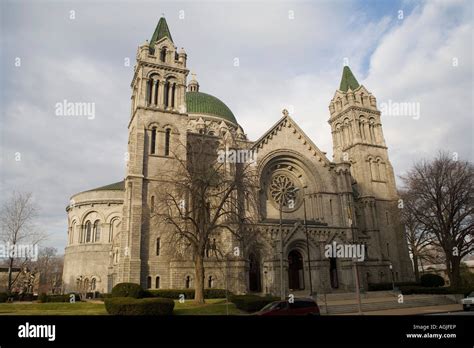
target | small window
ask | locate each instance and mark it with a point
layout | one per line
(157, 282)
(152, 204)
(163, 54)
(93, 284)
(88, 232)
(153, 141)
(158, 246)
(97, 230)
(188, 282)
(167, 142)
(209, 282)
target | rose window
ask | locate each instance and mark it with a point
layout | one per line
(283, 190)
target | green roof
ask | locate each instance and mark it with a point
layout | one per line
(202, 103)
(117, 186)
(160, 32)
(348, 80)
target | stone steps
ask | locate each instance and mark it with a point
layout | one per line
(409, 301)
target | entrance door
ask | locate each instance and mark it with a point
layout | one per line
(254, 274)
(295, 270)
(333, 273)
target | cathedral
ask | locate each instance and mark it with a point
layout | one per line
(349, 200)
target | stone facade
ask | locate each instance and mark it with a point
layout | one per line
(349, 200)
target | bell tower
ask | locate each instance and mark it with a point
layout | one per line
(156, 135)
(358, 139)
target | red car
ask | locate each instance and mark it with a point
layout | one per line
(298, 306)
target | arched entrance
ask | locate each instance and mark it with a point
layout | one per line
(295, 270)
(254, 274)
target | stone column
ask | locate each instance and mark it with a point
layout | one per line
(161, 90)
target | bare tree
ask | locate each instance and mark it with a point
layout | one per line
(205, 203)
(443, 189)
(49, 266)
(418, 237)
(16, 217)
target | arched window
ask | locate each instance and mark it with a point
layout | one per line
(361, 127)
(173, 89)
(167, 141)
(88, 232)
(93, 284)
(372, 130)
(152, 204)
(157, 282)
(210, 282)
(111, 232)
(153, 140)
(97, 230)
(158, 246)
(86, 285)
(71, 235)
(157, 87)
(163, 54)
(381, 169)
(166, 93)
(188, 282)
(148, 282)
(149, 86)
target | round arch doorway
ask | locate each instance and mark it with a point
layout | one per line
(295, 270)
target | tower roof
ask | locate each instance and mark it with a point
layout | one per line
(160, 32)
(348, 80)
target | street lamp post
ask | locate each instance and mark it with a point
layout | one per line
(282, 294)
(391, 271)
(307, 246)
(285, 194)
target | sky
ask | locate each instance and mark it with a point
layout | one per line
(290, 55)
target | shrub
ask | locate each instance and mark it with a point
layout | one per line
(145, 306)
(3, 297)
(127, 290)
(171, 293)
(188, 293)
(389, 286)
(409, 290)
(43, 298)
(216, 293)
(77, 297)
(53, 298)
(431, 280)
(251, 303)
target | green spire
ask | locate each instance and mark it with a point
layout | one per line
(348, 80)
(161, 31)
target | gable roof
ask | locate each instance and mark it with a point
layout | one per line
(275, 128)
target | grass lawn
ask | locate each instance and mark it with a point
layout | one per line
(59, 308)
(211, 307)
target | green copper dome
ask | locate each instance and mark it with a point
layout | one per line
(202, 103)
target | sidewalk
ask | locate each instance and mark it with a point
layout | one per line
(414, 310)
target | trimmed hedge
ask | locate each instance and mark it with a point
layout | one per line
(3, 297)
(389, 286)
(188, 293)
(133, 306)
(43, 298)
(431, 280)
(127, 290)
(251, 303)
